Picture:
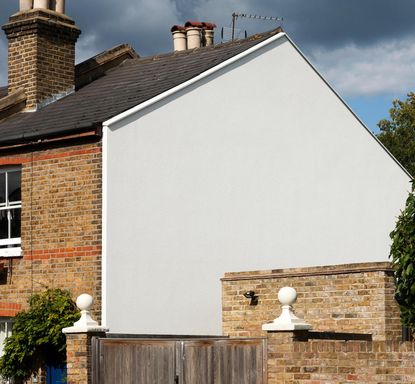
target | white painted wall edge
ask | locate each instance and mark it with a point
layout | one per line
(255, 48)
(104, 216)
(347, 106)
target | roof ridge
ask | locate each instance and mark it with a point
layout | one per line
(120, 88)
(257, 36)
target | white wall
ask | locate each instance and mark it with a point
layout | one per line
(262, 167)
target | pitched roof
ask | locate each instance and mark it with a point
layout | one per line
(131, 83)
(3, 92)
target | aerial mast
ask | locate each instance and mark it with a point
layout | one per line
(235, 16)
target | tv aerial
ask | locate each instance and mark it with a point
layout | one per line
(237, 15)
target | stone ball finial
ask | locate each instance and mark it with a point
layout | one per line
(86, 323)
(84, 302)
(287, 296)
(287, 321)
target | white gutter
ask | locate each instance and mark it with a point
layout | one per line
(188, 83)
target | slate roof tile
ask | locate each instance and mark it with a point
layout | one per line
(121, 88)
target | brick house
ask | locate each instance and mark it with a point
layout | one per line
(143, 180)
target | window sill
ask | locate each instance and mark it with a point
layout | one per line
(11, 252)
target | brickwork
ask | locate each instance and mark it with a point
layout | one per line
(79, 357)
(61, 225)
(355, 298)
(41, 54)
(329, 361)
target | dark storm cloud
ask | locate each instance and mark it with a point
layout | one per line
(326, 23)
(336, 22)
(186, 8)
(312, 24)
(142, 23)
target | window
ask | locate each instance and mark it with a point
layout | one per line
(10, 211)
(5, 331)
(6, 324)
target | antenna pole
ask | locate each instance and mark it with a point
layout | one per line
(234, 16)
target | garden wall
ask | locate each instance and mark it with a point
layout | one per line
(357, 298)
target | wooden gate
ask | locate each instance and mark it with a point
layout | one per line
(172, 361)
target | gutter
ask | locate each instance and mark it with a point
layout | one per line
(35, 139)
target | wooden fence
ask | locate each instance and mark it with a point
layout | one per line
(172, 361)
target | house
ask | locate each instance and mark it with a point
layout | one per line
(143, 180)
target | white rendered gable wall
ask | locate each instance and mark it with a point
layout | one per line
(258, 166)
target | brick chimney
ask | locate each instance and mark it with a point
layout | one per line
(41, 58)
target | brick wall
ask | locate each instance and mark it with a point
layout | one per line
(329, 361)
(61, 225)
(79, 357)
(355, 298)
(41, 54)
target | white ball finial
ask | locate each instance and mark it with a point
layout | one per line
(287, 296)
(84, 302)
(86, 323)
(287, 321)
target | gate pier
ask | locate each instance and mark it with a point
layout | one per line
(79, 341)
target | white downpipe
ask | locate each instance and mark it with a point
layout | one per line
(193, 37)
(43, 4)
(179, 40)
(25, 5)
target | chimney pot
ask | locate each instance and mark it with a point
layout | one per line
(209, 37)
(193, 37)
(60, 6)
(196, 24)
(44, 4)
(25, 5)
(179, 40)
(207, 25)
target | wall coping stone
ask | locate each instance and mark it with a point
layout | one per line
(310, 271)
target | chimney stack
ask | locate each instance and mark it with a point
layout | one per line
(41, 58)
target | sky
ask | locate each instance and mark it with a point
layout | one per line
(364, 48)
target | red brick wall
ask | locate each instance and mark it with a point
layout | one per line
(61, 225)
(355, 298)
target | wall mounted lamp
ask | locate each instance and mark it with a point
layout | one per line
(251, 295)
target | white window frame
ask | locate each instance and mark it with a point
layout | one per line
(8, 326)
(10, 247)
